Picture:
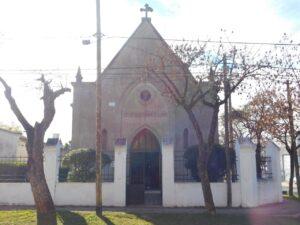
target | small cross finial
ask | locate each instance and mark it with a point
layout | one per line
(146, 10)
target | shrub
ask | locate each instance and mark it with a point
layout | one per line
(63, 174)
(216, 165)
(13, 172)
(79, 165)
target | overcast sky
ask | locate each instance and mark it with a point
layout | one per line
(45, 36)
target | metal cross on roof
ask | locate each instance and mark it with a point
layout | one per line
(146, 10)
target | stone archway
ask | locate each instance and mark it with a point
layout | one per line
(144, 169)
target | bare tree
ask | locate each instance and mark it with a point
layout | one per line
(284, 77)
(229, 68)
(206, 87)
(34, 146)
(282, 127)
(187, 102)
(254, 119)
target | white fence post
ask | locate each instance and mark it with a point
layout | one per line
(51, 167)
(248, 176)
(120, 172)
(168, 184)
(273, 151)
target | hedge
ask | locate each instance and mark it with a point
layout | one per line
(13, 172)
(79, 165)
(216, 165)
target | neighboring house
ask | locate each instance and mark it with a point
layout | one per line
(11, 143)
(22, 152)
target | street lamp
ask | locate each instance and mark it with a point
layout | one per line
(86, 42)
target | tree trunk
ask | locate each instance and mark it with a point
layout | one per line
(227, 155)
(231, 141)
(43, 200)
(202, 165)
(291, 181)
(226, 129)
(297, 171)
(258, 158)
(292, 134)
(213, 128)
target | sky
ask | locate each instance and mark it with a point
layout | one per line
(45, 36)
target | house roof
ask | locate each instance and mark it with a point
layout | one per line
(144, 46)
(52, 141)
(10, 131)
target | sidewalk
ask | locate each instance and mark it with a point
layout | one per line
(288, 208)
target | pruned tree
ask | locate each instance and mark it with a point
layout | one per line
(34, 146)
(219, 73)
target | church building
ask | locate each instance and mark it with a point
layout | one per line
(138, 115)
(148, 142)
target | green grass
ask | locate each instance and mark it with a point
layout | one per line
(295, 198)
(27, 217)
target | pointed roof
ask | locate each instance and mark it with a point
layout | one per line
(78, 75)
(144, 43)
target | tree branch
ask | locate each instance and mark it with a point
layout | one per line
(14, 106)
(48, 98)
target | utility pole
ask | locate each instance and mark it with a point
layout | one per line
(226, 129)
(98, 118)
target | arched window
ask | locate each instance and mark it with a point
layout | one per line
(185, 138)
(104, 140)
(145, 141)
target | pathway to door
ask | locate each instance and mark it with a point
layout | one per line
(144, 170)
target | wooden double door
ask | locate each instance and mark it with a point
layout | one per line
(144, 182)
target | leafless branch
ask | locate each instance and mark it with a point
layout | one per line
(14, 106)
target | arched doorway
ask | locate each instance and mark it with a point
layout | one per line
(144, 170)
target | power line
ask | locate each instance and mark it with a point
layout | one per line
(120, 68)
(52, 70)
(104, 37)
(206, 41)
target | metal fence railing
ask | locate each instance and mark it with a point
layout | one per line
(186, 170)
(109, 169)
(82, 168)
(266, 168)
(13, 169)
(183, 173)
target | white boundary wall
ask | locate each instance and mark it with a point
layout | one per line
(248, 192)
(190, 194)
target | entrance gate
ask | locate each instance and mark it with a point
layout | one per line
(144, 168)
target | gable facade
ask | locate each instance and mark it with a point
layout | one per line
(134, 104)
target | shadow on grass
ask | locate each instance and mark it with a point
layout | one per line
(71, 218)
(105, 219)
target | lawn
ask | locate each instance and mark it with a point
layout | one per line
(27, 217)
(294, 198)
